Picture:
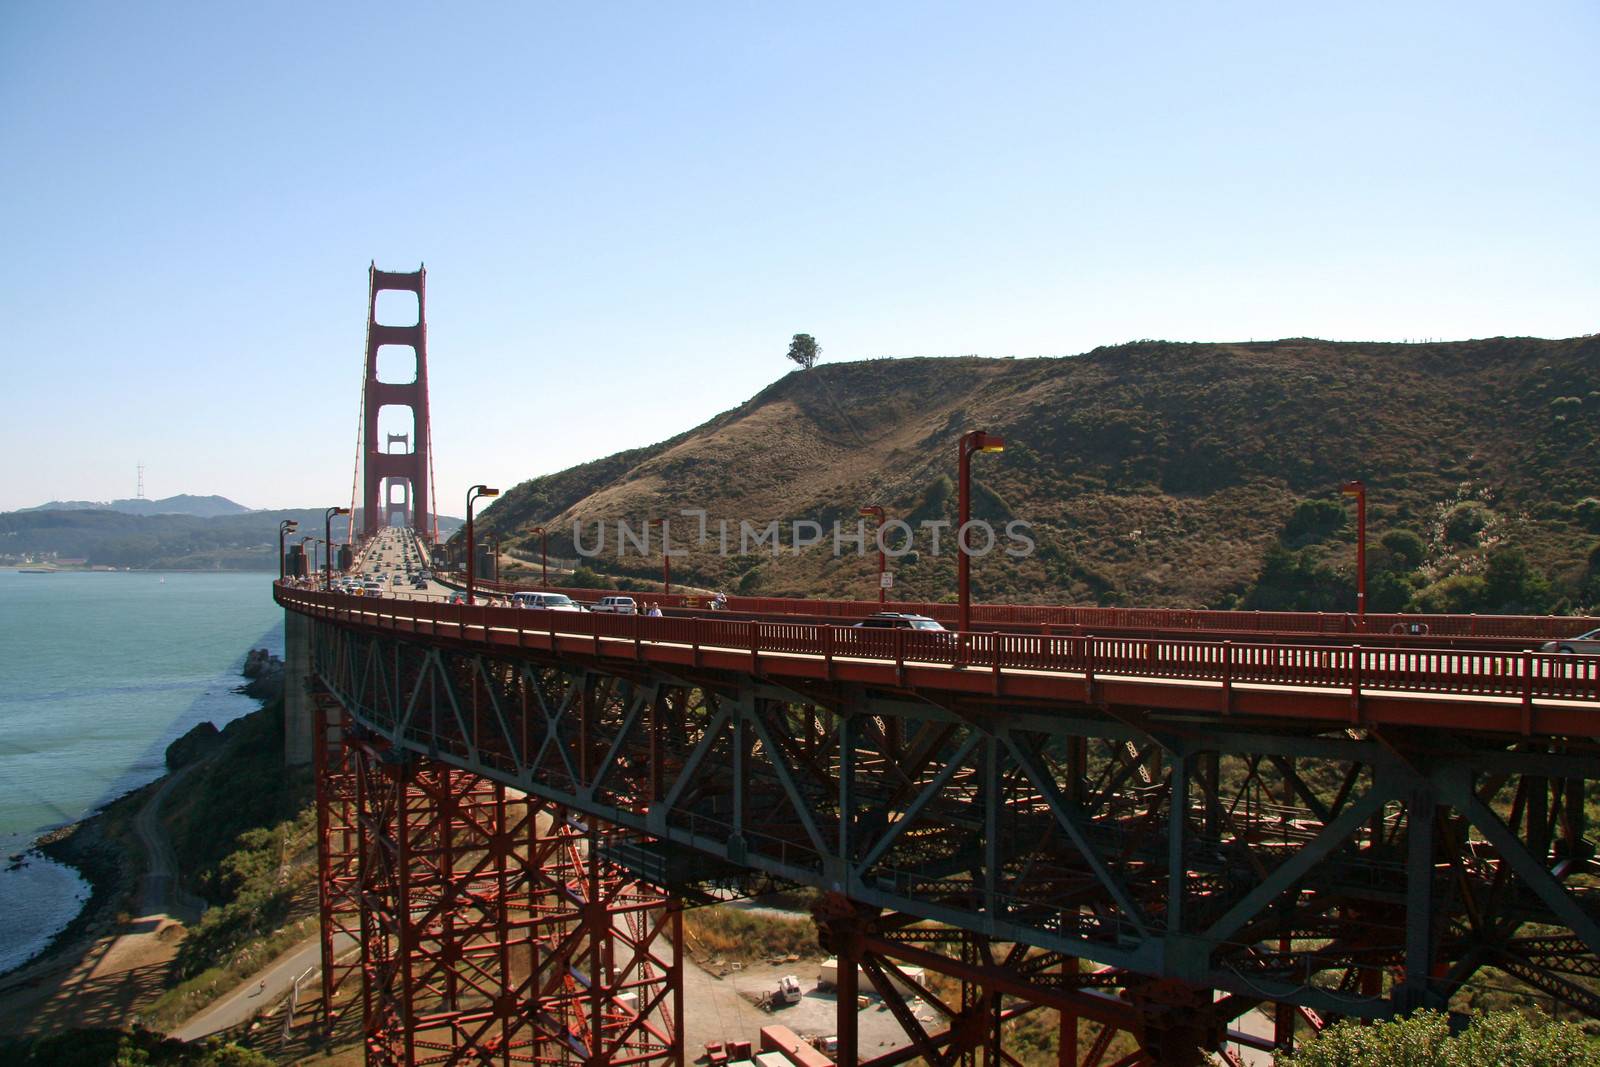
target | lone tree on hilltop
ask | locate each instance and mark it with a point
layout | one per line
(804, 350)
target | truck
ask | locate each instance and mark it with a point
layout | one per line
(788, 989)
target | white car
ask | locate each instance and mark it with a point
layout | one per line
(616, 605)
(546, 601)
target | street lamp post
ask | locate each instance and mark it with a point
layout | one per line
(494, 551)
(877, 511)
(544, 557)
(473, 494)
(327, 528)
(310, 564)
(1359, 491)
(666, 558)
(974, 441)
(287, 526)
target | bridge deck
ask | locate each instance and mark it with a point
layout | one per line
(1517, 692)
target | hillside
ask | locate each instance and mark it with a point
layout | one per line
(205, 507)
(1151, 472)
(248, 541)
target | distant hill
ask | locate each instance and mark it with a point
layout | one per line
(1151, 472)
(247, 541)
(205, 507)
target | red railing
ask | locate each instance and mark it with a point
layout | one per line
(1094, 619)
(1449, 673)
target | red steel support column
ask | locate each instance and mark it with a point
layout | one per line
(338, 852)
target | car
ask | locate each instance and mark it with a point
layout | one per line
(546, 601)
(616, 605)
(1587, 644)
(899, 620)
(371, 588)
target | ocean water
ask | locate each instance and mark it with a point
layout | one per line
(99, 672)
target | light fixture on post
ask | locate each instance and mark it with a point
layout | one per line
(544, 556)
(327, 528)
(1359, 491)
(974, 441)
(287, 526)
(472, 495)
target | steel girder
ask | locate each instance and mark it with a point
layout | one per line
(1345, 872)
(491, 927)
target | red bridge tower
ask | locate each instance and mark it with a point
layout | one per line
(411, 467)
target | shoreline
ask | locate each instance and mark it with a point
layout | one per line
(112, 864)
(110, 870)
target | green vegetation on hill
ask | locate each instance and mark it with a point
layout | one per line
(244, 831)
(123, 1048)
(1151, 473)
(1425, 1040)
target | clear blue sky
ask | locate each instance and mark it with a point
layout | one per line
(627, 209)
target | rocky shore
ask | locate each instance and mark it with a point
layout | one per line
(101, 846)
(265, 672)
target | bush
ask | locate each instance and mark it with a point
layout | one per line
(1457, 595)
(1464, 522)
(584, 578)
(1389, 591)
(98, 1048)
(1406, 550)
(1295, 581)
(1314, 520)
(1587, 512)
(1424, 1039)
(1509, 584)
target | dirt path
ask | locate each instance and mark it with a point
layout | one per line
(119, 973)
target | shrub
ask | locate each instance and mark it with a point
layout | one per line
(1464, 522)
(1313, 520)
(1510, 585)
(1587, 512)
(1424, 1039)
(584, 578)
(1455, 595)
(1406, 550)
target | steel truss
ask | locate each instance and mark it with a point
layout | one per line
(488, 924)
(1331, 872)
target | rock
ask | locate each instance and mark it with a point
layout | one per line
(256, 661)
(191, 746)
(265, 672)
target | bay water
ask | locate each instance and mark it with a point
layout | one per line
(99, 672)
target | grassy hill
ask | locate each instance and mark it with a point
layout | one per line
(1151, 472)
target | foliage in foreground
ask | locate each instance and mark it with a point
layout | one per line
(1424, 1040)
(123, 1048)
